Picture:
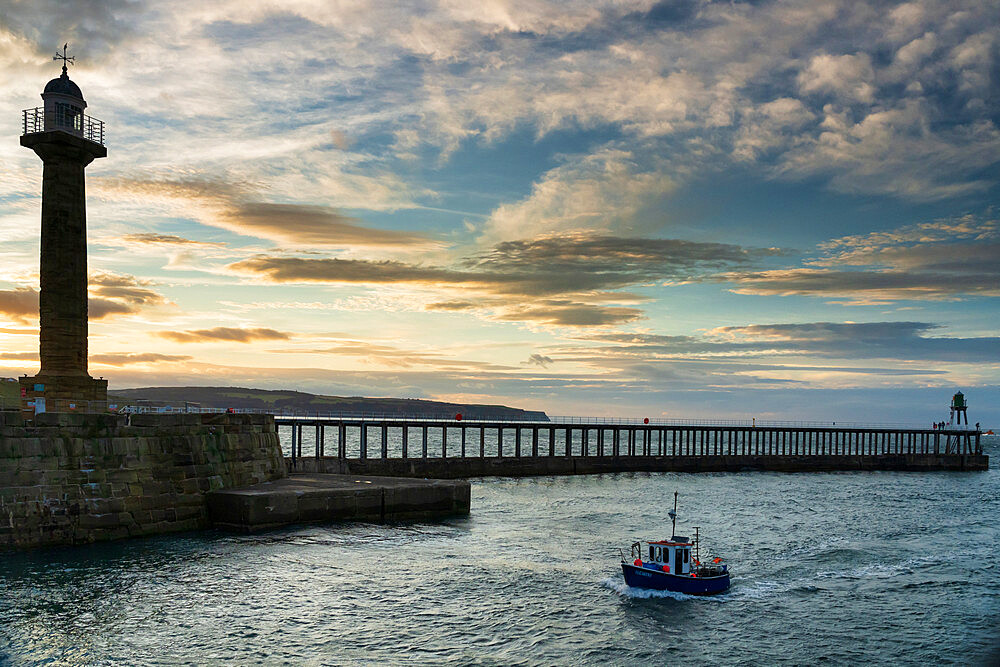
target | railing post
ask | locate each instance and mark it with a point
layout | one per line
(552, 441)
(569, 441)
(341, 440)
(463, 441)
(499, 442)
(406, 440)
(517, 442)
(385, 441)
(534, 441)
(482, 442)
(444, 441)
(364, 440)
(424, 438)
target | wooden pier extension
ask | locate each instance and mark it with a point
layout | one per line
(454, 449)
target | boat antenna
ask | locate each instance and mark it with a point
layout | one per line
(673, 518)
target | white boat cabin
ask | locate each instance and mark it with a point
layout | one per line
(675, 553)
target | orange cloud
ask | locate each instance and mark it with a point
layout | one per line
(235, 207)
(231, 334)
(150, 238)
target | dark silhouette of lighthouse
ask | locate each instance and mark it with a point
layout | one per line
(67, 141)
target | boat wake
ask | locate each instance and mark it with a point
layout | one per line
(618, 585)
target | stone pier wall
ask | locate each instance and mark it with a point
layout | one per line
(75, 478)
(456, 468)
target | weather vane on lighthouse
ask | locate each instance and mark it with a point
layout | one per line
(67, 60)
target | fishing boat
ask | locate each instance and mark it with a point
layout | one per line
(670, 565)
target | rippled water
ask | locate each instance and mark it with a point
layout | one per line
(886, 568)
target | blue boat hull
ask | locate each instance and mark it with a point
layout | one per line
(641, 577)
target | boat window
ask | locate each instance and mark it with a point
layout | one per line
(656, 553)
(686, 554)
(650, 552)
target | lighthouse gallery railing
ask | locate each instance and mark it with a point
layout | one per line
(36, 120)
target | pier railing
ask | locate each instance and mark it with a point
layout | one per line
(350, 439)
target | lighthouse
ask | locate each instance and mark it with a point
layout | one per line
(66, 140)
(959, 408)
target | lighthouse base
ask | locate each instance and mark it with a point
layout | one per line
(62, 393)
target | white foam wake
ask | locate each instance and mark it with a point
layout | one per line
(619, 586)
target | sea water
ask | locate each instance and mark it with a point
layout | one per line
(839, 568)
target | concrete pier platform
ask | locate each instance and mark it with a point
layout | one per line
(316, 497)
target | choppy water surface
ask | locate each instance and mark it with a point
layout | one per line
(890, 568)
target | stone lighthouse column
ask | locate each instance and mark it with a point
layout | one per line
(67, 141)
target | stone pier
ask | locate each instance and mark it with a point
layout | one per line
(79, 478)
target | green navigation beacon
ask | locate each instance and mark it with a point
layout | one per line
(959, 408)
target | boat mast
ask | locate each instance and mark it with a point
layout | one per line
(673, 518)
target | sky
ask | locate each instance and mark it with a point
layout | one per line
(618, 208)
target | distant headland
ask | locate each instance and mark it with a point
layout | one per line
(242, 398)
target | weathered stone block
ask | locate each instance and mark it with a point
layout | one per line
(89, 520)
(11, 418)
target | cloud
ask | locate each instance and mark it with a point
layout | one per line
(941, 260)
(19, 356)
(895, 151)
(390, 355)
(603, 190)
(569, 314)
(593, 261)
(776, 125)
(333, 270)
(318, 225)
(849, 77)
(218, 334)
(98, 309)
(125, 358)
(19, 304)
(119, 294)
(564, 280)
(903, 342)
(152, 238)
(454, 306)
(863, 287)
(550, 265)
(963, 228)
(109, 359)
(92, 28)
(538, 360)
(233, 206)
